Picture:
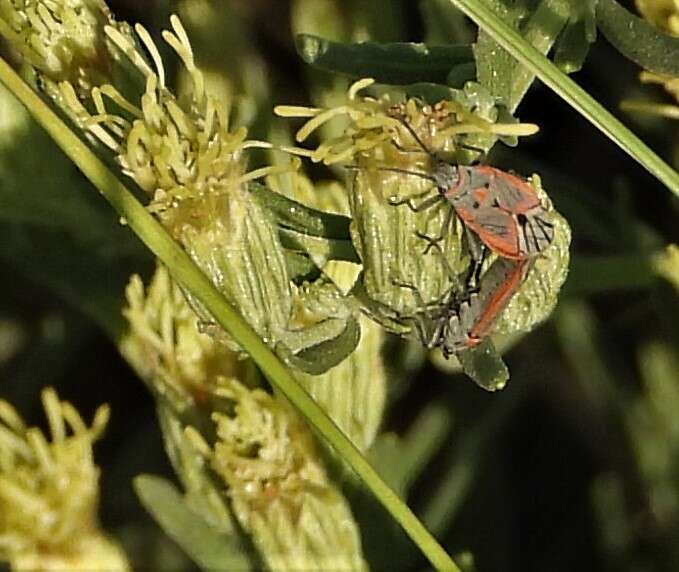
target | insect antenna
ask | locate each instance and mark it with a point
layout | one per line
(393, 170)
(417, 137)
(482, 152)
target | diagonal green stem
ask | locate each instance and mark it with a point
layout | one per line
(186, 273)
(570, 91)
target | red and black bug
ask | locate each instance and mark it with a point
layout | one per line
(475, 317)
(455, 325)
(500, 208)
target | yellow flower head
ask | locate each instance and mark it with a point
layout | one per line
(181, 152)
(167, 347)
(49, 490)
(63, 39)
(279, 490)
(665, 15)
(377, 127)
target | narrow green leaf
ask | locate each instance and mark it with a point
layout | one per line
(192, 279)
(497, 69)
(430, 92)
(400, 63)
(638, 40)
(319, 358)
(485, 366)
(207, 546)
(571, 92)
(461, 74)
(574, 42)
(572, 48)
(319, 249)
(297, 217)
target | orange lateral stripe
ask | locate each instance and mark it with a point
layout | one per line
(499, 300)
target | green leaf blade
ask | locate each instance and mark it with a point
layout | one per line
(397, 63)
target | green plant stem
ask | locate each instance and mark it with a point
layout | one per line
(570, 91)
(190, 277)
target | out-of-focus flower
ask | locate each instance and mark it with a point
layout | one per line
(663, 14)
(654, 429)
(63, 40)
(667, 265)
(265, 454)
(49, 492)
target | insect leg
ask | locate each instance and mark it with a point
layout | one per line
(483, 154)
(429, 329)
(434, 241)
(411, 287)
(402, 149)
(478, 253)
(410, 202)
(430, 321)
(435, 307)
(474, 275)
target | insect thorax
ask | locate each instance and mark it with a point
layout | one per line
(445, 175)
(459, 323)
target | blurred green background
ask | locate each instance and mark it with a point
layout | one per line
(575, 465)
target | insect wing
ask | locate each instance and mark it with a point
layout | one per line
(473, 319)
(495, 228)
(502, 281)
(536, 233)
(510, 193)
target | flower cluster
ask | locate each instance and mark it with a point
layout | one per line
(175, 151)
(376, 128)
(187, 157)
(264, 453)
